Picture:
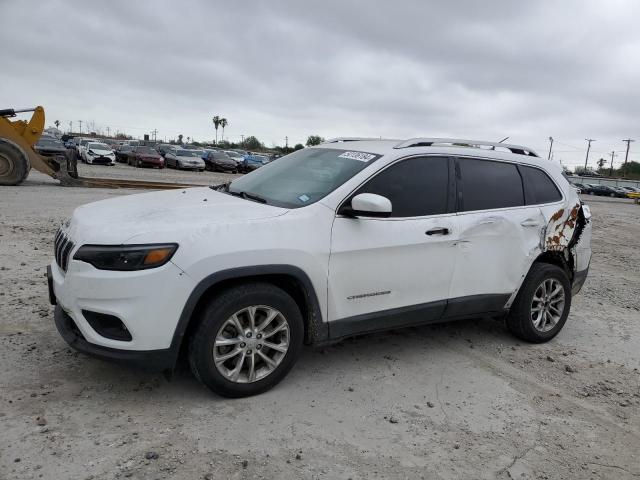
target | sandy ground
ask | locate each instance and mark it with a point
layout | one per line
(458, 400)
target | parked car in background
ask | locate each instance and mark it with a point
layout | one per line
(99, 153)
(144, 156)
(122, 153)
(602, 191)
(49, 147)
(619, 191)
(163, 148)
(253, 162)
(181, 158)
(82, 146)
(237, 157)
(220, 162)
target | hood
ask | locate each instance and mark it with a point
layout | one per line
(188, 159)
(165, 216)
(101, 152)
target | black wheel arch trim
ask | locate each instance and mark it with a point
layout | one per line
(317, 329)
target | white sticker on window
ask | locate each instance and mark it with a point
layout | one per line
(303, 198)
(361, 156)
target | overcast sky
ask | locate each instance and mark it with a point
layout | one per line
(470, 69)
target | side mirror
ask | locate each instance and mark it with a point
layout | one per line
(368, 205)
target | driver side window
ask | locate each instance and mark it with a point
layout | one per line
(417, 187)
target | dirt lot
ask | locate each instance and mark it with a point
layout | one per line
(460, 400)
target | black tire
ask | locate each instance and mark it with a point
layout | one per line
(14, 164)
(213, 316)
(519, 321)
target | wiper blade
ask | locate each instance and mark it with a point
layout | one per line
(224, 187)
(250, 196)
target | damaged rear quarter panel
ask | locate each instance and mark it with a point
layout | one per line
(568, 231)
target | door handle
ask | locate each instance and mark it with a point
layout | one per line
(438, 231)
(530, 222)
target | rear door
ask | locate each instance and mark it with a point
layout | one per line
(386, 272)
(498, 235)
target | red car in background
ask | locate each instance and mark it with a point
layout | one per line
(144, 156)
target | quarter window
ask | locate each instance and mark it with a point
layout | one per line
(487, 184)
(416, 186)
(538, 187)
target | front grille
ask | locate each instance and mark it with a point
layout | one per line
(62, 247)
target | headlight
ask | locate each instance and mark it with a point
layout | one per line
(126, 257)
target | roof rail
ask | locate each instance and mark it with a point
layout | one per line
(458, 142)
(353, 139)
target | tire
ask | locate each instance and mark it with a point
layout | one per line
(14, 164)
(218, 313)
(138, 164)
(520, 320)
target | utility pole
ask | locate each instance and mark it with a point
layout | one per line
(613, 154)
(586, 159)
(241, 139)
(70, 126)
(108, 129)
(550, 147)
(626, 156)
(286, 142)
(80, 122)
(155, 132)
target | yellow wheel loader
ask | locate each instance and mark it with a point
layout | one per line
(17, 156)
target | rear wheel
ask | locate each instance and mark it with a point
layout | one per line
(542, 305)
(248, 339)
(14, 165)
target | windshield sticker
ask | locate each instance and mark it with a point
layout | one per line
(303, 198)
(360, 156)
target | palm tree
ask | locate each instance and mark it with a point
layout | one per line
(57, 123)
(223, 123)
(216, 124)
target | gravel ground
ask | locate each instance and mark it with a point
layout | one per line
(458, 400)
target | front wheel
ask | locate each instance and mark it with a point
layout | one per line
(248, 339)
(542, 305)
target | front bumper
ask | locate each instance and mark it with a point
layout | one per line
(153, 360)
(147, 302)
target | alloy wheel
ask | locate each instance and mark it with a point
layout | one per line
(251, 344)
(547, 305)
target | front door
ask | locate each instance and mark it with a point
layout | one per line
(395, 271)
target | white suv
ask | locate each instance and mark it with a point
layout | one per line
(349, 237)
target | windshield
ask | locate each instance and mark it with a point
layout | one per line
(234, 154)
(98, 146)
(187, 153)
(303, 177)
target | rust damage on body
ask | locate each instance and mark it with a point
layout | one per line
(561, 228)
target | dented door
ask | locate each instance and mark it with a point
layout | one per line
(495, 250)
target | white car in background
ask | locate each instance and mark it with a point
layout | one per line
(98, 153)
(349, 237)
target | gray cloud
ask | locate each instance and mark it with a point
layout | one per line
(395, 69)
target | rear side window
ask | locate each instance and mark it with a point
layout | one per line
(538, 187)
(487, 184)
(416, 186)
